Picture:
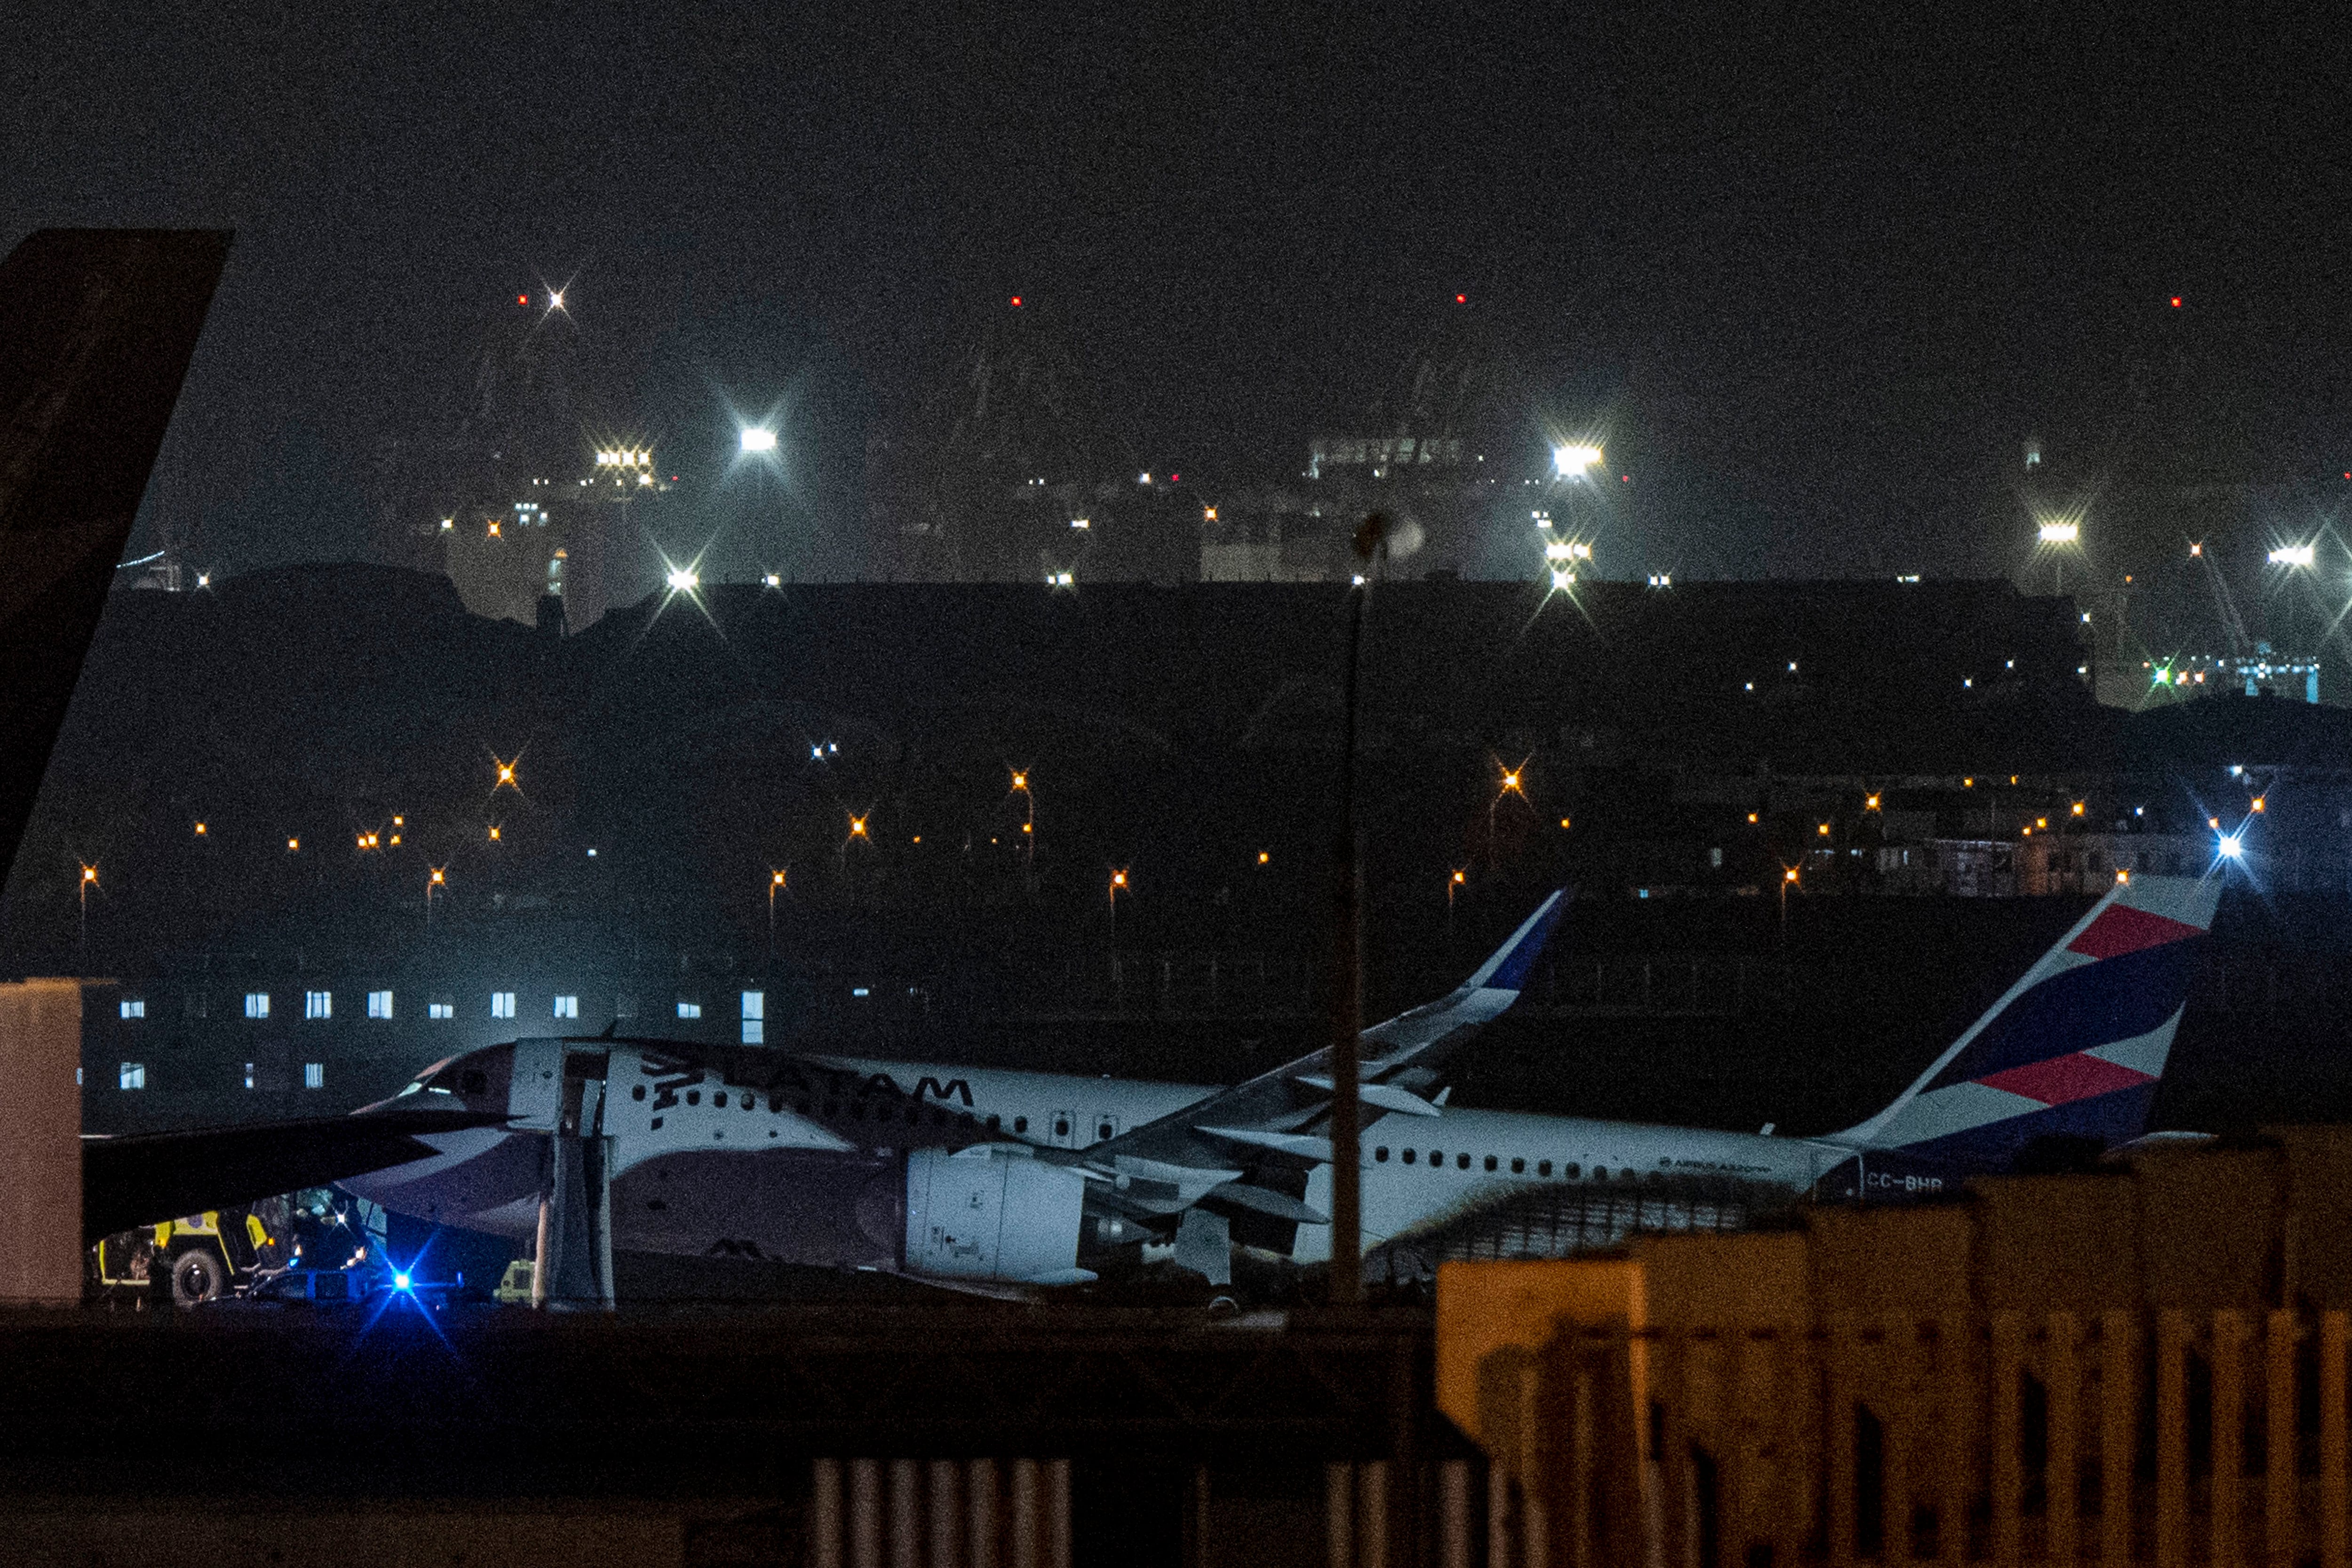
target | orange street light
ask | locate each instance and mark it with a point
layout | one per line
(293, 846)
(1870, 803)
(400, 822)
(88, 875)
(1789, 875)
(200, 830)
(1824, 830)
(506, 773)
(438, 879)
(1751, 818)
(2078, 808)
(1019, 778)
(2258, 804)
(1263, 856)
(857, 827)
(494, 833)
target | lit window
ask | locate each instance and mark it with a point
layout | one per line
(755, 1012)
(318, 1003)
(567, 1007)
(502, 1004)
(133, 1075)
(689, 1009)
(134, 1007)
(314, 1075)
(379, 1003)
(257, 1003)
(440, 1009)
(249, 1075)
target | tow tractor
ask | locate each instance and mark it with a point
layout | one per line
(196, 1257)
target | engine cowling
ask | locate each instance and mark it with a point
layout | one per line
(992, 1213)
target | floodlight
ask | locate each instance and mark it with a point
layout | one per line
(756, 439)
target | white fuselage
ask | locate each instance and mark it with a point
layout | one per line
(1418, 1171)
(1507, 1151)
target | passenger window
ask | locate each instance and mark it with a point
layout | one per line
(694, 1096)
(1062, 1127)
(1518, 1167)
(1572, 1172)
(1599, 1172)
(638, 1092)
(750, 1101)
(1543, 1168)
(718, 1101)
(1437, 1157)
(1490, 1161)
(995, 1123)
(1020, 1124)
(1461, 1162)
(1381, 1156)
(657, 1124)
(1411, 1155)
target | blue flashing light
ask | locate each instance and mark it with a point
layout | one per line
(2232, 846)
(400, 1281)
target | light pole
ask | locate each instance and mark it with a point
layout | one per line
(776, 885)
(434, 883)
(1788, 881)
(1372, 546)
(81, 931)
(1452, 885)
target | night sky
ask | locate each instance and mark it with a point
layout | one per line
(1815, 281)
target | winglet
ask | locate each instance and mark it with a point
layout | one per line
(1506, 968)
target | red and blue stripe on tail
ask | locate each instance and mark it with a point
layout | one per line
(2073, 1051)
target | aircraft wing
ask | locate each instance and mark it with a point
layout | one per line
(154, 1177)
(96, 327)
(1249, 1148)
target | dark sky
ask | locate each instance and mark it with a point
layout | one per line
(1818, 277)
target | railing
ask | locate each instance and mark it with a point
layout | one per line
(2174, 1438)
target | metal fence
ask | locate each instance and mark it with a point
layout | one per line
(2174, 1438)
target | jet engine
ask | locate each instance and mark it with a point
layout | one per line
(992, 1213)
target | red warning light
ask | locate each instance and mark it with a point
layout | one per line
(2176, 301)
(1462, 299)
(1624, 479)
(1175, 478)
(1016, 302)
(522, 298)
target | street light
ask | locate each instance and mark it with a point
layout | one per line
(756, 438)
(2292, 555)
(776, 885)
(2060, 532)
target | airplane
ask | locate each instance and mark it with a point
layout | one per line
(986, 1178)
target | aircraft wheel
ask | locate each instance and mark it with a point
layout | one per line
(197, 1276)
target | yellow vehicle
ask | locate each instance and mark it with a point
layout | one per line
(514, 1286)
(196, 1257)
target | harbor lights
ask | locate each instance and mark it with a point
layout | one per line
(1573, 461)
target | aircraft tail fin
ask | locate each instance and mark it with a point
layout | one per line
(2073, 1049)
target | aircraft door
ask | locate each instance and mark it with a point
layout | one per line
(1062, 1131)
(535, 1089)
(1102, 1127)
